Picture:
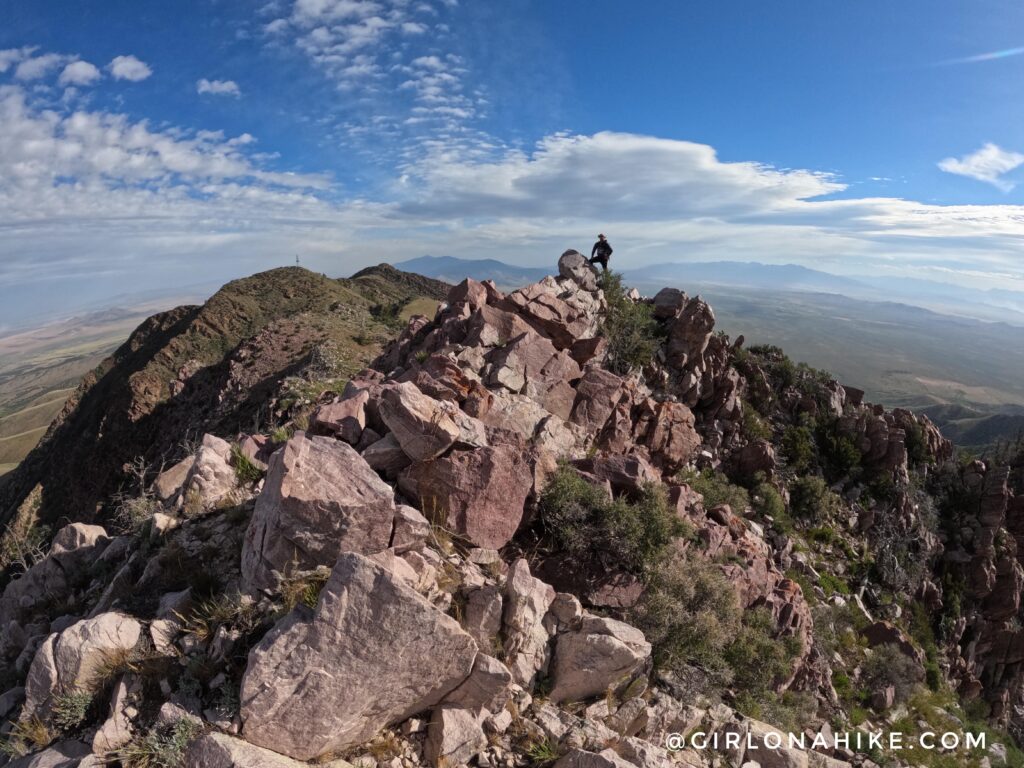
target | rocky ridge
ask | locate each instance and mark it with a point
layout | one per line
(387, 586)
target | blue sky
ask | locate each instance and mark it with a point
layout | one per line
(149, 146)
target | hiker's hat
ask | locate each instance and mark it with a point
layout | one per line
(600, 235)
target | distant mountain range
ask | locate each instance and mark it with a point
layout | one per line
(997, 305)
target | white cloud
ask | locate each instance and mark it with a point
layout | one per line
(83, 194)
(79, 73)
(12, 56)
(218, 87)
(38, 66)
(129, 68)
(408, 87)
(989, 164)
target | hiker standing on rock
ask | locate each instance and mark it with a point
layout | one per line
(600, 252)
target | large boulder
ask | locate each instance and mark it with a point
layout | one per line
(667, 430)
(527, 600)
(67, 565)
(65, 754)
(374, 652)
(454, 737)
(212, 480)
(600, 654)
(574, 266)
(553, 310)
(320, 499)
(423, 426)
(345, 418)
(75, 659)
(597, 394)
(481, 493)
(690, 334)
(218, 750)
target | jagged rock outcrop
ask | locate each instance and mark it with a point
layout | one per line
(320, 499)
(75, 658)
(326, 681)
(390, 589)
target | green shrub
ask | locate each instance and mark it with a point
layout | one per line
(841, 456)
(716, 489)
(632, 333)
(798, 448)
(757, 657)
(754, 425)
(888, 665)
(163, 748)
(833, 585)
(690, 613)
(810, 499)
(579, 519)
(917, 446)
(71, 709)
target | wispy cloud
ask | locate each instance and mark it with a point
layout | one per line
(129, 68)
(406, 88)
(989, 164)
(218, 87)
(1005, 53)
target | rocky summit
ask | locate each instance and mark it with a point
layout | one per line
(566, 525)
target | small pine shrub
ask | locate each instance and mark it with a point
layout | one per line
(768, 502)
(888, 665)
(632, 333)
(754, 425)
(579, 519)
(810, 499)
(690, 613)
(23, 543)
(758, 659)
(716, 489)
(798, 448)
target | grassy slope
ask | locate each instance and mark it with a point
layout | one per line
(125, 409)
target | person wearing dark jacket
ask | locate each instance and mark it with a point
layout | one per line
(600, 252)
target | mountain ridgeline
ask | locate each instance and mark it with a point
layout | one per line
(386, 521)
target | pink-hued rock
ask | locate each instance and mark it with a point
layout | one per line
(689, 334)
(469, 291)
(669, 434)
(386, 456)
(423, 426)
(344, 418)
(70, 660)
(454, 737)
(482, 492)
(373, 653)
(668, 302)
(600, 654)
(320, 499)
(527, 600)
(623, 473)
(574, 266)
(597, 394)
(212, 480)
